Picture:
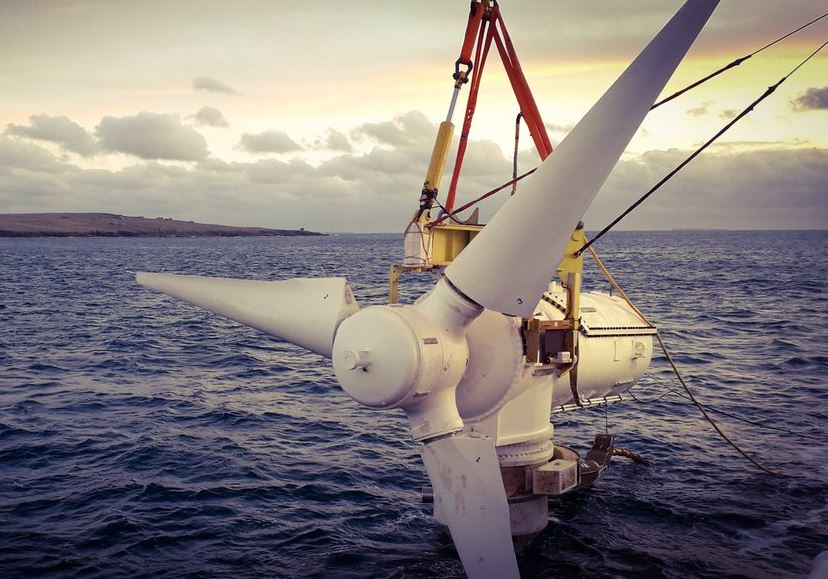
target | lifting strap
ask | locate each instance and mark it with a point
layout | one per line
(486, 25)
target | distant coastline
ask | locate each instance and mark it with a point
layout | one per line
(113, 225)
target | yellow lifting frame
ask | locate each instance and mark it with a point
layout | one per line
(448, 240)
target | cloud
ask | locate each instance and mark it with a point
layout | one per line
(16, 156)
(358, 191)
(336, 141)
(814, 99)
(560, 128)
(700, 110)
(763, 186)
(210, 117)
(729, 147)
(729, 113)
(768, 188)
(388, 133)
(411, 128)
(61, 130)
(268, 142)
(151, 136)
(206, 84)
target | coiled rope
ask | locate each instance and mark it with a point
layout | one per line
(633, 456)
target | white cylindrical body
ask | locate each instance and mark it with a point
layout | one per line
(614, 349)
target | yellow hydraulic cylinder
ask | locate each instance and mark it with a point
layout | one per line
(572, 262)
(438, 156)
(570, 270)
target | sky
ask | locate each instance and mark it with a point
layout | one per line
(323, 114)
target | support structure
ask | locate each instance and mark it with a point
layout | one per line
(487, 25)
(435, 242)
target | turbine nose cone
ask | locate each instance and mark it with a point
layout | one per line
(377, 357)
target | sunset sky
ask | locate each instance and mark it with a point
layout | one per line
(322, 114)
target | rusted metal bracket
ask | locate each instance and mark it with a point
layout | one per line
(597, 459)
(544, 339)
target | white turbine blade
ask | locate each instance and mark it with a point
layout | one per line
(509, 264)
(468, 491)
(305, 312)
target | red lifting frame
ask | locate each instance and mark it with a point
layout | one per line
(488, 27)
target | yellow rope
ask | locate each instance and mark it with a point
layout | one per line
(698, 405)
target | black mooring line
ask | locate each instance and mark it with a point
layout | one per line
(770, 90)
(734, 64)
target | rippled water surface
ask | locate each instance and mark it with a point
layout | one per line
(143, 437)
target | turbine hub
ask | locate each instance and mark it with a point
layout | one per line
(386, 357)
(409, 357)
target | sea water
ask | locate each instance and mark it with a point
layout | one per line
(143, 437)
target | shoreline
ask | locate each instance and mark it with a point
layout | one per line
(114, 225)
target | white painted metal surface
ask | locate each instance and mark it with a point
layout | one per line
(615, 347)
(466, 478)
(397, 364)
(500, 268)
(508, 398)
(601, 314)
(495, 363)
(305, 312)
